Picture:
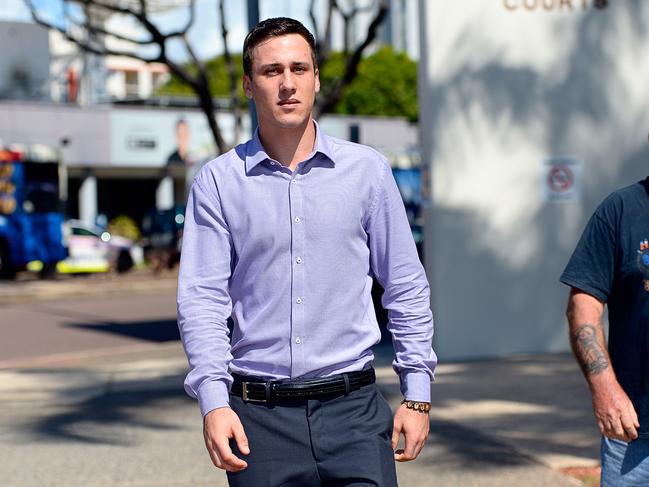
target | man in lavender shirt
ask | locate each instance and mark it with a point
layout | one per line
(284, 234)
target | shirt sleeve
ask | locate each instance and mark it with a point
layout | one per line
(592, 265)
(204, 303)
(397, 267)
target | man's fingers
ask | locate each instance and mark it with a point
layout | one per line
(617, 429)
(634, 418)
(215, 458)
(395, 436)
(230, 461)
(629, 428)
(419, 447)
(401, 456)
(410, 451)
(241, 439)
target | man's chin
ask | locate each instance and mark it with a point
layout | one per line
(292, 122)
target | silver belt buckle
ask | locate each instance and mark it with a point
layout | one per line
(244, 394)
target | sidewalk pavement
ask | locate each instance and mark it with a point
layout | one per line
(121, 418)
(141, 281)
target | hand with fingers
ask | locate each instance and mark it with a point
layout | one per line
(219, 427)
(414, 425)
(614, 412)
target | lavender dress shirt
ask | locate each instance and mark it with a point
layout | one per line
(290, 256)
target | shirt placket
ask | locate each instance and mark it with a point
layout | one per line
(299, 297)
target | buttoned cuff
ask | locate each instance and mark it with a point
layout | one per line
(213, 394)
(415, 386)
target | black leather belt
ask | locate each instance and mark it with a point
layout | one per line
(255, 390)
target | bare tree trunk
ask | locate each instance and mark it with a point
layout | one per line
(232, 75)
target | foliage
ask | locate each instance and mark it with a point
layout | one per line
(218, 76)
(386, 84)
(124, 226)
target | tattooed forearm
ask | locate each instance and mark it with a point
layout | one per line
(588, 350)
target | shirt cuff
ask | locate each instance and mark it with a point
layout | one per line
(213, 394)
(415, 386)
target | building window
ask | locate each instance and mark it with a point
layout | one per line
(130, 78)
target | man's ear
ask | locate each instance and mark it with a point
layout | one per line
(317, 80)
(247, 86)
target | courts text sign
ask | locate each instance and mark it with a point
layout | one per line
(554, 5)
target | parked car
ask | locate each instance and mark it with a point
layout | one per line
(92, 249)
(163, 232)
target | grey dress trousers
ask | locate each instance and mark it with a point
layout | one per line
(339, 441)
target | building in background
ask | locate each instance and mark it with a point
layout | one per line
(25, 62)
(120, 159)
(531, 113)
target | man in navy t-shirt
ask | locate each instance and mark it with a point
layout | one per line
(610, 266)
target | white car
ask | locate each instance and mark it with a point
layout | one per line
(92, 249)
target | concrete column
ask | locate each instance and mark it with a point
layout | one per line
(164, 194)
(144, 83)
(88, 199)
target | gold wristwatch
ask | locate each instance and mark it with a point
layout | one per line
(422, 407)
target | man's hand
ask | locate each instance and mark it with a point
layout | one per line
(415, 426)
(614, 412)
(219, 426)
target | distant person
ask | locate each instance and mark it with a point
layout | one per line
(610, 266)
(285, 233)
(181, 154)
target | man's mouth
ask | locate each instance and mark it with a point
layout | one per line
(290, 101)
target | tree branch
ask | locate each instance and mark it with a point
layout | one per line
(351, 68)
(86, 46)
(322, 41)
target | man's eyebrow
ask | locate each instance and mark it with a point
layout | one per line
(300, 64)
(271, 66)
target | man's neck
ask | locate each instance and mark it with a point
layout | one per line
(289, 147)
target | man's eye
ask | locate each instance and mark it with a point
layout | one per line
(272, 72)
(299, 69)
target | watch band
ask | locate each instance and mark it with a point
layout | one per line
(422, 407)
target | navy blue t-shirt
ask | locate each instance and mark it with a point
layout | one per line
(611, 263)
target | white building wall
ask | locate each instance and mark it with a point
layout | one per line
(505, 85)
(86, 130)
(116, 84)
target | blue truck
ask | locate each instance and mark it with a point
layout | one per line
(31, 213)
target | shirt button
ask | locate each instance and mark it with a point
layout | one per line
(297, 219)
(298, 260)
(298, 341)
(298, 300)
(272, 163)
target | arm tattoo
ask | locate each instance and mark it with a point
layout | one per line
(588, 351)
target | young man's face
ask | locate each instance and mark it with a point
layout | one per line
(284, 81)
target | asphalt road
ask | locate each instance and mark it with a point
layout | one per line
(62, 328)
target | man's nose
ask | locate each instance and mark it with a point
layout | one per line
(288, 83)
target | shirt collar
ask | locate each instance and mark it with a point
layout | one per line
(255, 153)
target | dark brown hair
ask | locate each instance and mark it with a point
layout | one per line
(276, 27)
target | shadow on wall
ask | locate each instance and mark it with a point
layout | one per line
(499, 249)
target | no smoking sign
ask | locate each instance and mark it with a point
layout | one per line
(560, 179)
